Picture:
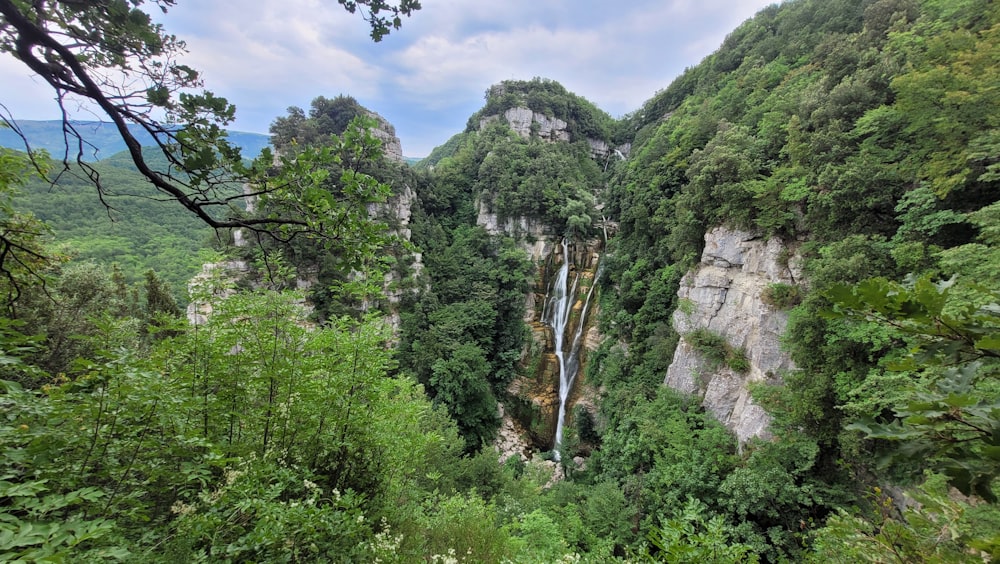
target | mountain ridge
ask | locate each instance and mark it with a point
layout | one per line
(101, 139)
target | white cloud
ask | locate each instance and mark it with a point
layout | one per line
(288, 56)
(438, 69)
(265, 55)
(617, 55)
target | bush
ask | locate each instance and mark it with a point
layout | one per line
(782, 296)
(714, 348)
(737, 361)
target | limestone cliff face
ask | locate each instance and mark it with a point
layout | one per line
(536, 238)
(521, 120)
(386, 133)
(213, 284)
(535, 397)
(396, 212)
(526, 122)
(528, 422)
(723, 295)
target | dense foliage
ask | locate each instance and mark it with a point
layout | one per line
(129, 224)
(551, 99)
(864, 131)
(326, 117)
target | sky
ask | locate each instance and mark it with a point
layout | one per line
(428, 77)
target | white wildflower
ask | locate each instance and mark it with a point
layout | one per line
(181, 508)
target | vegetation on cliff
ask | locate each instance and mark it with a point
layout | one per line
(864, 130)
(549, 98)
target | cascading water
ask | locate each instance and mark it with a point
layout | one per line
(556, 314)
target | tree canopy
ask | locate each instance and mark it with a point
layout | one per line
(860, 133)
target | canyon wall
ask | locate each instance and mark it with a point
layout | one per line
(725, 295)
(527, 122)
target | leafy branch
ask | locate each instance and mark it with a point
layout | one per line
(112, 55)
(954, 421)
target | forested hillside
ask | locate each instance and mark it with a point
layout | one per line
(132, 227)
(865, 131)
(351, 392)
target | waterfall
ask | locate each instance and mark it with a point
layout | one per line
(556, 314)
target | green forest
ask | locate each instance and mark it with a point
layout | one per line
(356, 418)
(129, 224)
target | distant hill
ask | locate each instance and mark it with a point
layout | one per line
(138, 229)
(103, 138)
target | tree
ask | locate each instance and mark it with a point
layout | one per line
(159, 300)
(326, 117)
(461, 384)
(951, 421)
(693, 537)
(22, 236)
(111, 53)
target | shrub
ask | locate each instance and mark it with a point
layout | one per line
(781, 296)
(714, 348)
(737, 361)
(710, 345)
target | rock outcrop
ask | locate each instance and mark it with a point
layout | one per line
(537, 394)
(510, 439)
(527, 122)
(532, 235)
(213, 284)
(386, 133)
(523, 120)
(396, 212)
(723, 295)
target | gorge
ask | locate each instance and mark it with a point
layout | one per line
(755, 320)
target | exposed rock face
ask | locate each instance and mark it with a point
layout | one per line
(521, 120)
(599, 150)
(510, 439)
(525, 122)
(539, 391)
(386, 133)
(396, 212)
(213, 284)
(532, 235)
(723, 295)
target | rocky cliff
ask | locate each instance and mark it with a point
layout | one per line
(386, 133)
(397, 212)
(532, 235)
(725, 296)
(522, 120)
(535, 398)
(527, 122)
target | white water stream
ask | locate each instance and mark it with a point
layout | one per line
(556, 314)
